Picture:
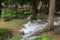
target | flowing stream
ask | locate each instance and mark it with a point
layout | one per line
(31, 28)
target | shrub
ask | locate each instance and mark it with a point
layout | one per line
(9, 14)
(6, 12)
(5, 33)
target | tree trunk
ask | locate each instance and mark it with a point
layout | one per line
(51, 15)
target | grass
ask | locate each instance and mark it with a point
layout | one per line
(5, 34)
(14, 25)
(43, 37)
(18, 37)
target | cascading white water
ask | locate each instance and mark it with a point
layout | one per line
(31, 28)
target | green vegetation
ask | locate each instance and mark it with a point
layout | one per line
(9, 14)
(18, 37)
(6, 14)
(43, 37)
(12, 14)
(5, 33)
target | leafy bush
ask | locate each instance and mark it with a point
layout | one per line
(5, 33)
(11, 14)
(6, 13)
(15, 13)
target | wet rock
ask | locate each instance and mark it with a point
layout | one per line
(56, 27)
(57, 31)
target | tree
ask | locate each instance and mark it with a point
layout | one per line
(51, 14)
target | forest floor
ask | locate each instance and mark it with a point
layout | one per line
(56, 37)
(14, 24)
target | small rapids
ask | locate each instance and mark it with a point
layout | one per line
(31, 28)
